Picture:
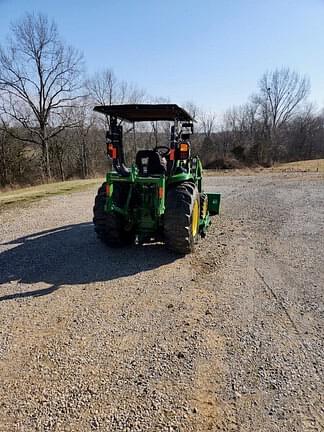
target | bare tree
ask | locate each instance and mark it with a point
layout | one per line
(192, 109)
(130, 93)
(208, 123)
(84, 113)
(40, 77)
(304, 133)
(105, 89)
(283, 90)
(4, 162)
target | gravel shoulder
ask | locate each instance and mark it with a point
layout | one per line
(229, 338)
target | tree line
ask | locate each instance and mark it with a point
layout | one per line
(49, 131)
(277, 124)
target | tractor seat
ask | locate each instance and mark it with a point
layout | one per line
(150, 162)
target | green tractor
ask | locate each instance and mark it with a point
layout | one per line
(160, 198)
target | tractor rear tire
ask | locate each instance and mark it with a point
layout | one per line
(181, 218)
(110, 227)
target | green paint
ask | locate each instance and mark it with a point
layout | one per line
(147, 215)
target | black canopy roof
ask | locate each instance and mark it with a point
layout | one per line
(145, 112)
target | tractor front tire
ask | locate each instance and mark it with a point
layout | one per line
(181, 218)
(110, 227)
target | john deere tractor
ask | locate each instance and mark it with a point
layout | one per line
(160, 197)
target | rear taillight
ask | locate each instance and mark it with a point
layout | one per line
(184, 151)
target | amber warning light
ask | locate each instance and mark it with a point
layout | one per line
(184, 151)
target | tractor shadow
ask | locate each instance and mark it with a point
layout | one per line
(72, 255)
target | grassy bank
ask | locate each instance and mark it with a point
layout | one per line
(34, 193)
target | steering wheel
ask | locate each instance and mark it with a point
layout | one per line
(163, 150)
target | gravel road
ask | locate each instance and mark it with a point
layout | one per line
(227, 339)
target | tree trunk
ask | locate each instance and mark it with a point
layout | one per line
(3, 165)
(46, 159)
(62, 173)
(84, 161)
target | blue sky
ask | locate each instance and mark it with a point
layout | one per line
(211, 52)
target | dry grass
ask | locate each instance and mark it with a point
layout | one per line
(314, 166)
(34, 193)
